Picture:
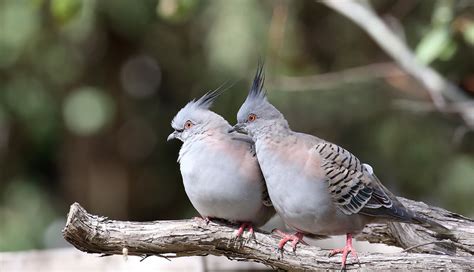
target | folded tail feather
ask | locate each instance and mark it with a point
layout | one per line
(441, 231)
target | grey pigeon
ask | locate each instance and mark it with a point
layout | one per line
(315, 186)
(220, 171)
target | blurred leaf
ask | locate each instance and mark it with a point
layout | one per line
(443, 12)
(449, 51)
(79, 28)
(438, 42)
(433, 44)
(65, 10)
(468, 34)
(87, 110)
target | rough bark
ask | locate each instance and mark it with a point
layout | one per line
(421, 239)
(97, 234)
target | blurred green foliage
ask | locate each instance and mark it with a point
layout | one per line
(64, 10)
(88, 89)
(26, 214)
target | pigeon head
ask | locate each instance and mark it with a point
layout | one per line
(196, 118)
(256, 112)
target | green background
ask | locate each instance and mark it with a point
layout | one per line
(88, 90)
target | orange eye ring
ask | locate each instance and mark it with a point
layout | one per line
(252, 117)
(188, 124)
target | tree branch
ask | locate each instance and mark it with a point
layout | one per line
(362, 15)
(170, 239)
(332, 79)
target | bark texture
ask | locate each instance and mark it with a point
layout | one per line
(170, 239)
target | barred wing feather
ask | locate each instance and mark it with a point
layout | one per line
(352, 185)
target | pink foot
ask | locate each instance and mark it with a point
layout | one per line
(285, 238)
(345, 251)
(242, 228)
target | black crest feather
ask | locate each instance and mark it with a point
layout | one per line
(257, 90)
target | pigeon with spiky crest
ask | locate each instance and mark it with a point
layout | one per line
(220, 171)
(315, 186)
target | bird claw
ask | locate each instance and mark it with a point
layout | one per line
(242, 228)
(285, 238)
(279, 253)
(345, 252)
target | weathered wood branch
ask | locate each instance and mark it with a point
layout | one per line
(444, 94)
(409, 235)
(97, 234)
(329, 80)
(364, 16)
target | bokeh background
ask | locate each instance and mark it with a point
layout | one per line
(88, 89)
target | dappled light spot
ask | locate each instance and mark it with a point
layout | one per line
(176, 11)
(87, 110)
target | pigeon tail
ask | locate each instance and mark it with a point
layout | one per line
(442, 231)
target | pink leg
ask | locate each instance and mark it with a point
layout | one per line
(285, 238)
(242, 228)
(345, 251)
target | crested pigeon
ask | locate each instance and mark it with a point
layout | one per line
(316, 187)
(220, 172)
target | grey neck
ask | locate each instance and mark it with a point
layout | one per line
(272, 131)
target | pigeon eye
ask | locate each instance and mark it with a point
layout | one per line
(188, 124)
(251, 117)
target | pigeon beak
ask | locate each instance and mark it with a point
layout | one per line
(238, 127)
(172, 136)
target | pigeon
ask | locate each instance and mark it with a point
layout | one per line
(220, 171)
(316, 187)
